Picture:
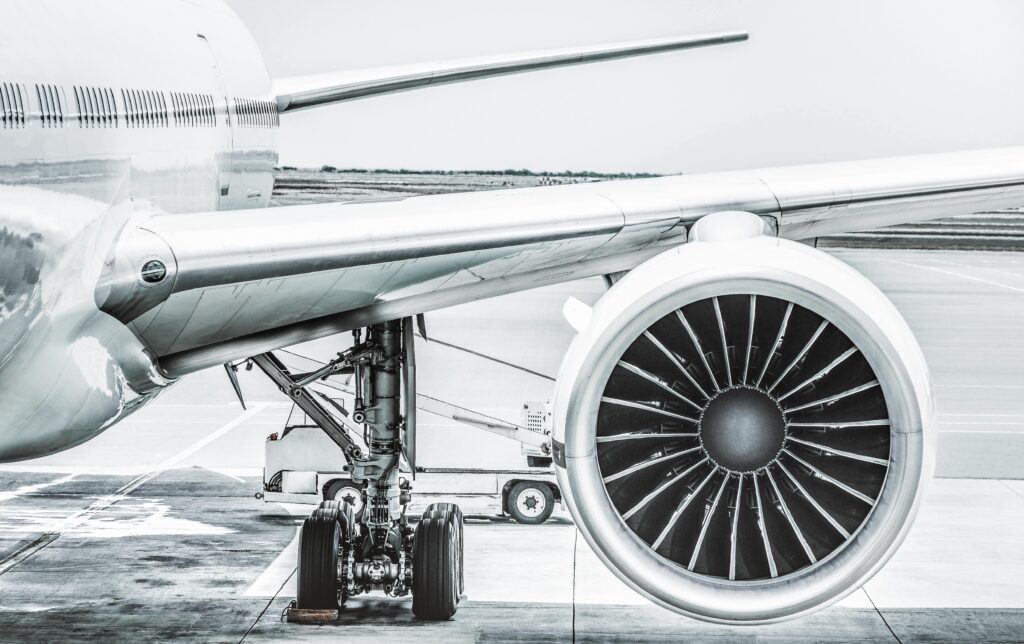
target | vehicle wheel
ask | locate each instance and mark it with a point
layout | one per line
(530, 503)
(319, 541)
(454, 513)
(347, 491)
(434, 573)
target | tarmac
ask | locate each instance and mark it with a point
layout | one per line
(189, 555)
(151, 531)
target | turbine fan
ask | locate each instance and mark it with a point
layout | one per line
(743, 437)
(743, 427)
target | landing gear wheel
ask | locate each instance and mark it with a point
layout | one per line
(454, 513)
(530, 503)
(344, 490)
(347, 515)
(435, 579)
(319, 542)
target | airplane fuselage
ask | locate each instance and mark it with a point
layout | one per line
(109, 112)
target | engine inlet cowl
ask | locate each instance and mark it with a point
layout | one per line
(746, 429)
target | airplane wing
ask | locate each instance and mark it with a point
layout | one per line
(298, 93)
(242, 282)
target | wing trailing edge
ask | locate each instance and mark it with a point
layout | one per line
(299, 93)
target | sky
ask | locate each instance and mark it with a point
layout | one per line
(817, 81)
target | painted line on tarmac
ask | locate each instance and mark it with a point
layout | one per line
(104, 502)
(224, 473)
(273, 579)
(31, 489)
(122, 492)
(981, 280)
(209, 438)
(983, 415)
(965, 386)
(26, 551)
(984, 429)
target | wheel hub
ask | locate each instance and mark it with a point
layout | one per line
(742, 429)
(530, 503)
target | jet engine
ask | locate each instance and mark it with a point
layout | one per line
(743, 426)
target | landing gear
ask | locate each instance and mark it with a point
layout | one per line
(343, 552)
(454, 513)
(437, 560)
(319, 544)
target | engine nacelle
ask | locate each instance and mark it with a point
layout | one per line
(744, 428)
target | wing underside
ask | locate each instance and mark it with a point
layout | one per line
(248, 281)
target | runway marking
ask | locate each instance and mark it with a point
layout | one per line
(956, 274)
(209, 438)
(26, 551)
(984, 415)
(224, 473)
(106, 501)
(979, 386)
(224, 405)
(981, 266)
(29, 489)
(77, 519)
(983, 431)
(273, 579)
(1011, 488)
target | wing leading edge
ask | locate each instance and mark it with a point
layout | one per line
(303, 92)
(245, 282)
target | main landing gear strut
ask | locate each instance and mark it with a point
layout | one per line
(340, 554)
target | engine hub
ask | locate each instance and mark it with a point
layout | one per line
(742, 429)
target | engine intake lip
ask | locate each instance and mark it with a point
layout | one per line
(767, 268)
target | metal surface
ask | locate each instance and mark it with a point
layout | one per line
(530, 502)
(71, 188)
(744, 434)
(410, 398)
(310, 91)
(266, 285)
(86, 337)
(309, 401)
(790, 557)
(378, 403)
(89, 199)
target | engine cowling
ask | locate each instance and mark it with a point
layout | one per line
(743, 429)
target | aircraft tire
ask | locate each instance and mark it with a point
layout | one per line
(319, 541)
(454, 514)
(435, 569)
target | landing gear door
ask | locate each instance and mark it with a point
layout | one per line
(409, 395)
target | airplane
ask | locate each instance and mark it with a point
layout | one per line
(743, 424)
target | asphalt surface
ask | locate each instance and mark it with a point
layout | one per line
(188, 555)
